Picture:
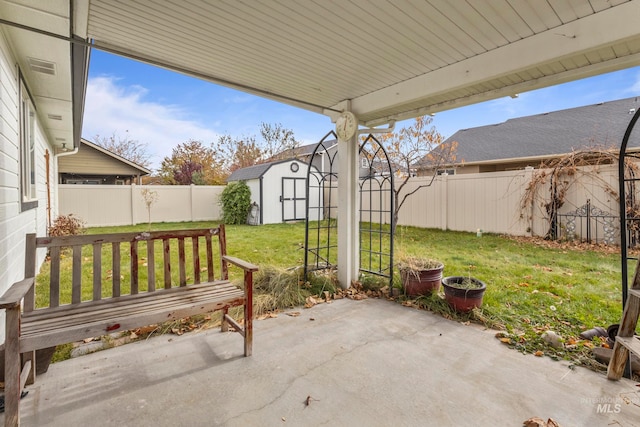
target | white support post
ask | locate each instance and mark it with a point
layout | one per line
(348, 212)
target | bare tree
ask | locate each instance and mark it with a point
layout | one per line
(277, 139)
(239, 153)
(419, 145)
(125, 147)
(235, 153)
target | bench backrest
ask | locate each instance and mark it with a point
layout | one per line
(123, 263)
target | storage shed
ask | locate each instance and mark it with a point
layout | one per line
(278, 188)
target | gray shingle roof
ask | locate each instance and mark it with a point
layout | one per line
(306, 150)
(559, 132)
(251, 172)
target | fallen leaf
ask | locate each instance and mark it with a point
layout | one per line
(539, 353)
(293, 313)
(534, 422)
(310, 302)
(505, 340)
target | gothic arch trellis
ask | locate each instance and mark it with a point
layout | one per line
(629, 206)
(376, 209)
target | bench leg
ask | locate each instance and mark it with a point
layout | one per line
(224, 327)
(248, 328)
(26, 357)
(12, 368)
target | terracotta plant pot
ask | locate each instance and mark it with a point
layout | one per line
(421, 282)
(460, 297)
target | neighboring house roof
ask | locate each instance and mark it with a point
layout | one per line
(549, 134)
(104, 163)
(255, 171)
(307, 150)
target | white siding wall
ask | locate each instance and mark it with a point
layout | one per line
(272, 191)
(14, 224)
(254, 187)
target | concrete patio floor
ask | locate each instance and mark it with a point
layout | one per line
(349, 363)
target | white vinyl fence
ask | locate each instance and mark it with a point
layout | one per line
(105, 205)
(491, 202)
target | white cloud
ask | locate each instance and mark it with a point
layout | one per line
(111, 108)
(635, 87)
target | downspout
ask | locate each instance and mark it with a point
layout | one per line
(47, 157)
(62, 154)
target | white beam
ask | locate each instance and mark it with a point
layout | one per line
(604, 28)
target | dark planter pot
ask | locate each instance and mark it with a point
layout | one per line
(463, 300)
(421, 282)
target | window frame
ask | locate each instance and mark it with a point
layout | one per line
(27, 136)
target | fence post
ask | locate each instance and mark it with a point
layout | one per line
(444, 203)
(191, 198)
(133, 204)
(528, 177)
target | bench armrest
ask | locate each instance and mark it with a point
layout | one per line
(240, 263)
(14, 295)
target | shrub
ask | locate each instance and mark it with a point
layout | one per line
(67, 225)
(236, 201)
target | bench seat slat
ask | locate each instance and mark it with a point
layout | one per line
(48, 320)
(112, 317)
(64, 310)
(50, 329)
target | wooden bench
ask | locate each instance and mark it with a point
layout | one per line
(137, 288)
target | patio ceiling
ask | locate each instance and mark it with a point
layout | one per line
(393, 59)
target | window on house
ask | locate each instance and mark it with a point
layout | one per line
(447, 171)
(27, 151)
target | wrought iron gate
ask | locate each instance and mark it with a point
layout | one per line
(376, 208)
(588, 223)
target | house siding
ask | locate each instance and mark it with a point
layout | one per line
(90, 161)
(14, 224)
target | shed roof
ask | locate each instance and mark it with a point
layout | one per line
(549, 134)
(255, 171)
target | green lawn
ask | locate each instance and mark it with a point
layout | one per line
(531, 287)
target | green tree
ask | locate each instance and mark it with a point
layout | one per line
(236, 201)
(192, 163)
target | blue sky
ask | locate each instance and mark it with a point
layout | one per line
(163, 108)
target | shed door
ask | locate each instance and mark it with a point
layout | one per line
(293, 199)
